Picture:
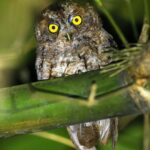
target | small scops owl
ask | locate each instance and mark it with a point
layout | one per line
(71, 40)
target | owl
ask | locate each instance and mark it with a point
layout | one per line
(71, 40)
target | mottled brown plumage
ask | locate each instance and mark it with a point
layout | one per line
(71, 40)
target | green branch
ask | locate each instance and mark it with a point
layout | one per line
(25, 109)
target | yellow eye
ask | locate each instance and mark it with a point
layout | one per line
(77, 20)
(53, 28)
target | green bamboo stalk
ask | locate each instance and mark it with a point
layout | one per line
(64, 101)
(25, 109)
(145, 32)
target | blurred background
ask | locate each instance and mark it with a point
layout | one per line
(17, 58)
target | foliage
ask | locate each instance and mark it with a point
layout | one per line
(17, 52)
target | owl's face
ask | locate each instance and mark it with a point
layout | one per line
(66, 21)
(71, 40)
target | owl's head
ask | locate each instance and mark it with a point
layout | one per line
(67, 21)
(70, 40)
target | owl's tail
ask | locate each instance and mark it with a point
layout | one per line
(72, 130)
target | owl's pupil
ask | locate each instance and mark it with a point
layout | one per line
(53, 27)
(76, 19)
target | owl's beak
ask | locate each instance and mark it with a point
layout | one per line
(68, 37)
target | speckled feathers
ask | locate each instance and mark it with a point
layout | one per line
(59, 56)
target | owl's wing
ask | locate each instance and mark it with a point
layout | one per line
(104, 130)
(107, 42)
(108, 128)
(108, 39)
(73, 129)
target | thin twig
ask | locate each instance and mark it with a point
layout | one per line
(146, 143)
(55, 137)
(112, 21)
(134, 28)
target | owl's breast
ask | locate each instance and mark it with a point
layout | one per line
(63, 59)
